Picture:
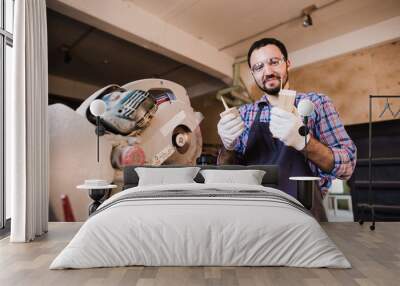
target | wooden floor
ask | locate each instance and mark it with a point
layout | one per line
(375, 257)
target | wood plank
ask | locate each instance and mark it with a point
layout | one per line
(350, 78)
(374, 255)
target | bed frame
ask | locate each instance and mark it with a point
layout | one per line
(270, 179)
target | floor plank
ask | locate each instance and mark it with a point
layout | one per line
(374, 255)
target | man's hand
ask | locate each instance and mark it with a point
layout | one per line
(285, 126)
(230, 127)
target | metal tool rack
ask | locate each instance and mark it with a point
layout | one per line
(371, 198)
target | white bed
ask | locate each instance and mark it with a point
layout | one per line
(201, 224)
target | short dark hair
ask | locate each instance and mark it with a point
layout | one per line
(264, 42)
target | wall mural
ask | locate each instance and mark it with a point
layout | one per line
(146, 122)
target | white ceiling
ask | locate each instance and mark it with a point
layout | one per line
(223, 22)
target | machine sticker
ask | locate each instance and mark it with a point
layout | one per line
(159, 158)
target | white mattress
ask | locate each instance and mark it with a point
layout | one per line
(207, 230)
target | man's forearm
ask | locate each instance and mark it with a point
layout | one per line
(227, 157)
(320, 155)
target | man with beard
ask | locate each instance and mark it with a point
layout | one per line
(265, 134)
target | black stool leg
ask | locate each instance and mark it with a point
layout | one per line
(361, 218)
(372, 227)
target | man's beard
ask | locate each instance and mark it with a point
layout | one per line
(274, 90)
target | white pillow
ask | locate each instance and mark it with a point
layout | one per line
(163, 176)
(249, 177)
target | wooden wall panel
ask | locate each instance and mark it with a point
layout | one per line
(350, 78)
(210, 107)
(386, 68)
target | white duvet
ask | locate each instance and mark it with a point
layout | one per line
(183, 231)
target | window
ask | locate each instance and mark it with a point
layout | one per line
(9, 16)
(6, 62)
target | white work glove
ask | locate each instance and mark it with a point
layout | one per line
(230, 127)
(285, 126)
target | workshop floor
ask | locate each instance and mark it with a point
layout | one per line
(374, 255)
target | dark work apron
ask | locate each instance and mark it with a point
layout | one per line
(263, 149)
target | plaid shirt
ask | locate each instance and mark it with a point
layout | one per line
(324, 125)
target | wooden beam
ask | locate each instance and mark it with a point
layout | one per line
(128, 21)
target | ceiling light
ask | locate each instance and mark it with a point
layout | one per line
(67, 57)
(67, 54)
(307, 21)
(306, 13)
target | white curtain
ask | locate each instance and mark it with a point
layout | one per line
(26, 124)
